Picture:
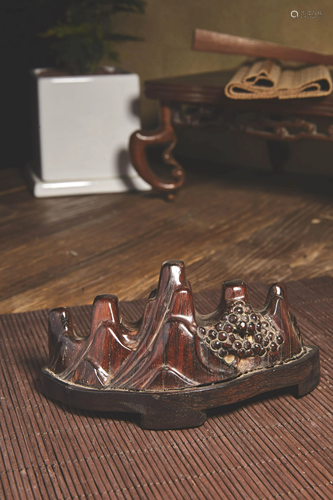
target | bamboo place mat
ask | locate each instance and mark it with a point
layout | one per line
(268, 448)
(266, 79)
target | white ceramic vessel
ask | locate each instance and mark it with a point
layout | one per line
(82, 129)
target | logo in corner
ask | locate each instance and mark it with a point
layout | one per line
(307, 14)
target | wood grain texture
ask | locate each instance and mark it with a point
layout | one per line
(172, 364)
(268, 448)
(210, 41)
(166, 410)
(237, 224)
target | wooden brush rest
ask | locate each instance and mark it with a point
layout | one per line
(174, 364)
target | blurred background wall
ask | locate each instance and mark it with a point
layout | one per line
(167, 28)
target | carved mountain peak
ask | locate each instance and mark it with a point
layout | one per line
(172, 275)
(277, 289)
(202, 348)
(161, 300)
(105, 310)
(233, 290)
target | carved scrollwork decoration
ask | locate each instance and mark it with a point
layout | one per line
(258, 124)
(287, 130)
(139, 142)
(209, 117)
(196, 115)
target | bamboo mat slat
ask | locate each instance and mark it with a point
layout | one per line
(268, 448)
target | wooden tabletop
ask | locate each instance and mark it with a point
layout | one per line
(237, 224)
(208, 88)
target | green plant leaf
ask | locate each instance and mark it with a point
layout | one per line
(83, 34)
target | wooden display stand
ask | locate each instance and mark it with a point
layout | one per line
(200, 101)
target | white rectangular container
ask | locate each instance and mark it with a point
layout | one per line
(83, 128)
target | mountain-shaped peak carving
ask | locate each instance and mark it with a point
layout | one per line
(172, 346)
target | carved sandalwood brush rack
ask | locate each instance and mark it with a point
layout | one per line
(174, 364)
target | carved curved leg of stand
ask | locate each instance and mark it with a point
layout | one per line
(140, 140)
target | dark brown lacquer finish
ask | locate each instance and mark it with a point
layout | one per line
(139, 142)
(175, 363)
